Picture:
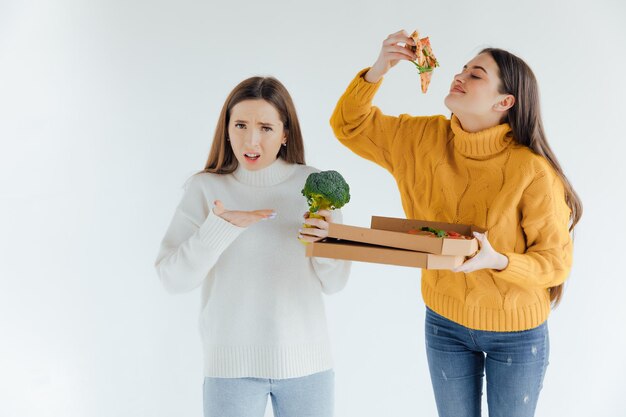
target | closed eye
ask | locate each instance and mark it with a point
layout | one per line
(475, 67)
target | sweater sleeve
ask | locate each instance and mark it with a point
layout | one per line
(193, 242)
(549, 248)
(332, 273)
(368, 132)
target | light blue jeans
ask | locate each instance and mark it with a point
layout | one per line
(308, 396)
(458, 358)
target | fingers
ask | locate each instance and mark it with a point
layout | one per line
(308, 239)
(250, 217)
(218, 207)
(400, 32)
(313, 231)
(472, 264)
(326, 214)
(319, 226)
(486, 258)
(467, 266)
(317, 223)
(462, 267)
(247, 218)
(265, 213)
(483, 242)
(390, 54)
(480, 238)
(399, 52)
(395, 56)
(399, 36)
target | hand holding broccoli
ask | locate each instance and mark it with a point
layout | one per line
(315, 228)
(324, 191)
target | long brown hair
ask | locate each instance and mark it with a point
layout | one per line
(524, 118)
(222, 159)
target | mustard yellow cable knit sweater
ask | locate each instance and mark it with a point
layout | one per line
(485, 179)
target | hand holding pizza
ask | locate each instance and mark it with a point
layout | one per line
(402, 46)
(391, 53)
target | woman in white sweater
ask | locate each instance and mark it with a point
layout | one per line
(235, 233)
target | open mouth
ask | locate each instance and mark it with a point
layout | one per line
(251, 157)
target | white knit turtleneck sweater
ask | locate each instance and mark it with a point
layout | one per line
(262, 309)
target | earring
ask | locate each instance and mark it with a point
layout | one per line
(284, 144)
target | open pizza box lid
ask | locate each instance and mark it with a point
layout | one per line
(393, 232)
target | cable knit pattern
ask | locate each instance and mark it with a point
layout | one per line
(483, 178)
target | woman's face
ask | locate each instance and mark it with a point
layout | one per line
(474, 91)
(256, 133)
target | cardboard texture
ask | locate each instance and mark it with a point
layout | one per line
(351, 251)
(440, 245)
(388, 242)
(393, 232)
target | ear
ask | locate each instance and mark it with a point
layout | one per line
(505, 103)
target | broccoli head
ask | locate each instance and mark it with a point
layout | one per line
(326, 190)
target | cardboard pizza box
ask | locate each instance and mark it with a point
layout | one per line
(363, 252)
(393, 233)
(387, 241)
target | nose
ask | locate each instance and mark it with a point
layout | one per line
(254, 138)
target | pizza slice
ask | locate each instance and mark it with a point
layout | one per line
(425, 61)
(425, 80)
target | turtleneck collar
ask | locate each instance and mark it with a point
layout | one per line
(274, 174)
(482, 144)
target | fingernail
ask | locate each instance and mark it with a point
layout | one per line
(272, 216)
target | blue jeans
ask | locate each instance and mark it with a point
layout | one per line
(459, 357)
(308, 396)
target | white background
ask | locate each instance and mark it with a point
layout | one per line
(106, 108)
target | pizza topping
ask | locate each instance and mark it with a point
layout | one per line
(425, 61)
(432, 232)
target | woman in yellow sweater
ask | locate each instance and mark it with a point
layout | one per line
(489, 165)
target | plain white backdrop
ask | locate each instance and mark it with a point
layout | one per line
(106, 108)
